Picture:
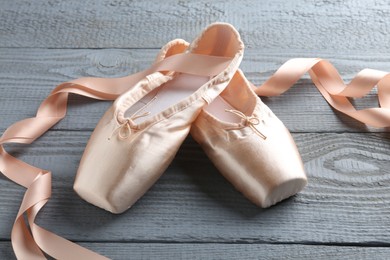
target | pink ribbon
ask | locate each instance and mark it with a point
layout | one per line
(328, 81)
(29, 242)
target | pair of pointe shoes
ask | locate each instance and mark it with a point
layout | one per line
(195, 88)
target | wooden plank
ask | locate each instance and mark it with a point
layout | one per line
(28, 75)
(347, 200)
(193, 212)
(224, 251)
(334, 26)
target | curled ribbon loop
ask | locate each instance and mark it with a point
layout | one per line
(328, 81)
(250, 121)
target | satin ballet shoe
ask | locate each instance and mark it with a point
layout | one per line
(141, 132)
(249, 145)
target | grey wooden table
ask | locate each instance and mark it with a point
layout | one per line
(192, 212)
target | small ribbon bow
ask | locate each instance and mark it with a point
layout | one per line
(124, 129)
(250, 121)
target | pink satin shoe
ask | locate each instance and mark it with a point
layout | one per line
(139, 135)
(249, 145)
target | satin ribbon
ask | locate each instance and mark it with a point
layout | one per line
(328, 81)
(29, 242)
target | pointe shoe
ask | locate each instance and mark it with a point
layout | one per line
(249, 145)
(140, 134)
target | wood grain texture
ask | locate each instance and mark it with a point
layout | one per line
(185, 251)
(310, 26)
(346, 201)
(28, 75)
(193, 212)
